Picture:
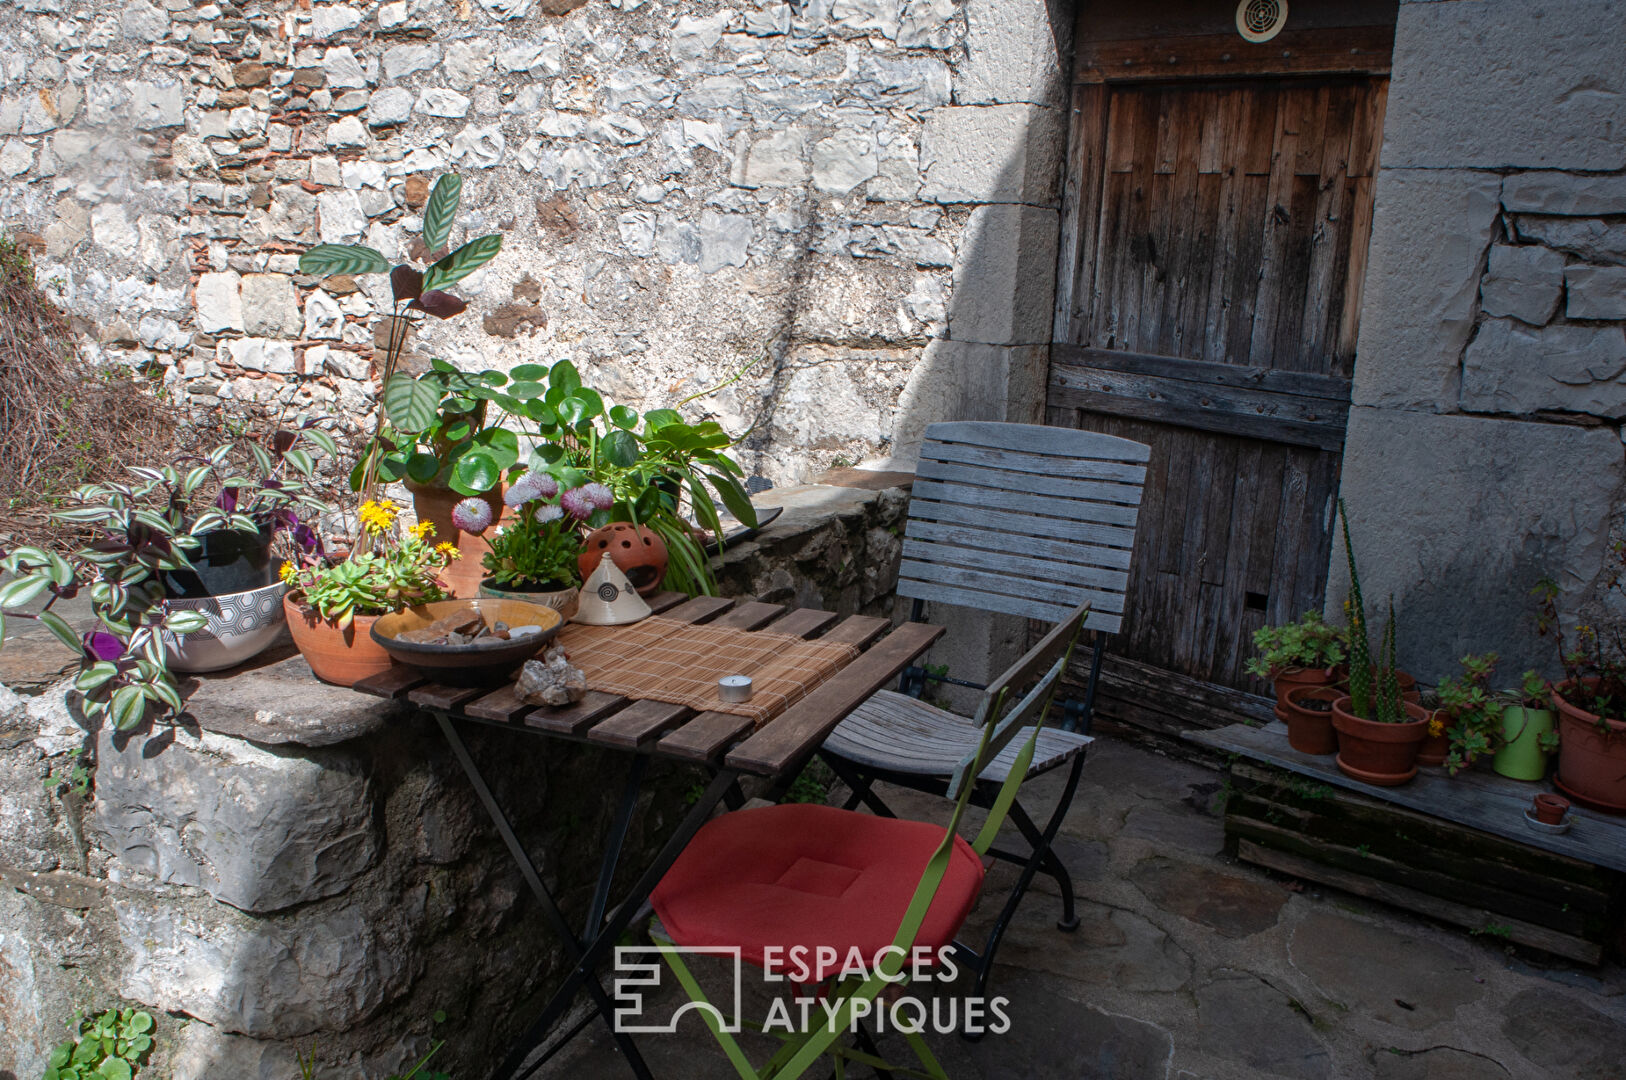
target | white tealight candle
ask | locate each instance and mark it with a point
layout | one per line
(734, 688)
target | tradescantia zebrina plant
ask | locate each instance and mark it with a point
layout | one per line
(142, 528)
(412, 290)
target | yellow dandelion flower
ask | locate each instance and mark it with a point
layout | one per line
(423, 529)
(449, 550)
(288, 570)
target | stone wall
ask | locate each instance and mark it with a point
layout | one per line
(1485, 443)
(860, 195)
(299, 866)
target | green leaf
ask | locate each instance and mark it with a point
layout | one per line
(620, 448)
(94, 676)
(324, 442)
(526, 389)
(391, 467)
(528, 373)
(60, 628)
(409, 404)
(463, 262)
(422, 467)
(128, 706)
(656, 419)
(115, 1068)
(501, 444)
(299, 461)
(141, 1021)
(542, 413)
(735, 498)
(564, 377)
(590, 397)
(439, 212)
(477, 472)
(623, 417)
(19, 592)
(571, 410)
(327, 259)
(185, 621)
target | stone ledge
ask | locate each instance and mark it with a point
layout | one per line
(276, 701)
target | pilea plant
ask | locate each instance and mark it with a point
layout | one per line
(412, 405)
(1374, 682)
(111, 1046)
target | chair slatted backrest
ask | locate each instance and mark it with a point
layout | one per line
(1024, 520)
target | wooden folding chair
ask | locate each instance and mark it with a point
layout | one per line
(1014, 519)
(810, 876)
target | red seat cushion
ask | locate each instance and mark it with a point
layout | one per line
(805, 875)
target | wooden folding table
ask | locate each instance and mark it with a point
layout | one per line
(647, 729)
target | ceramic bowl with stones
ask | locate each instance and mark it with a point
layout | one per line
(484, 660)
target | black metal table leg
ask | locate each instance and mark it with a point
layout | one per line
(582, 975)
(612, 852)
(550, 907)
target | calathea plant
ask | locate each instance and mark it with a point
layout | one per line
(141, 529)
(410, 404)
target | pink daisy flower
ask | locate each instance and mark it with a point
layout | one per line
(577, 504)
(472, 515)
(548, 513)
(599, 495)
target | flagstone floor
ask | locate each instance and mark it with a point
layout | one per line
(1191, 966)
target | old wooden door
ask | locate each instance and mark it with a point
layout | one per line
(1214, 237)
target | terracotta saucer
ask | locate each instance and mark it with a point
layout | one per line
(1590, 804)
(1375, 779)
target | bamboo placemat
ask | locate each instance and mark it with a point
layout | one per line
(680, 663)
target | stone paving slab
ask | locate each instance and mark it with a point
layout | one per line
(1307, 983)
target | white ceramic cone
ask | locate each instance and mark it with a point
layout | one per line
(608, 598)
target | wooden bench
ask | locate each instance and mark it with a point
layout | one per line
(1452, 848)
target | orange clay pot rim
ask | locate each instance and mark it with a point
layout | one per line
(1576, 713)
(1340, 711)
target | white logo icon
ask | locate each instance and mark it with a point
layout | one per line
(638, 971)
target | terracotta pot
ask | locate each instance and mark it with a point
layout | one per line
(1381, 754)
(564, 601)
(341, 657)
(1550, 809)
(1288, 678)
(636, 550)
(1591, 759)
(1435, 748)
(434, 504)
(1309, 731)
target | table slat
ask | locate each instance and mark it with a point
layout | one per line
(804, 622)
(638, 723)
(391, 684)
(444, 698)
(664, 601)
(750, 615)
(699, 609)
(503, 703)
(800, 729)
(858, 630)
(574, 719)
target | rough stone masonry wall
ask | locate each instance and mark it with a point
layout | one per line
(1485, 443)
(863, 190)
(304, 867)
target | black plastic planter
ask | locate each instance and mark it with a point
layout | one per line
(227, 562)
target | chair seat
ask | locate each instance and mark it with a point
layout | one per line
(808, 875)
(900, 734)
